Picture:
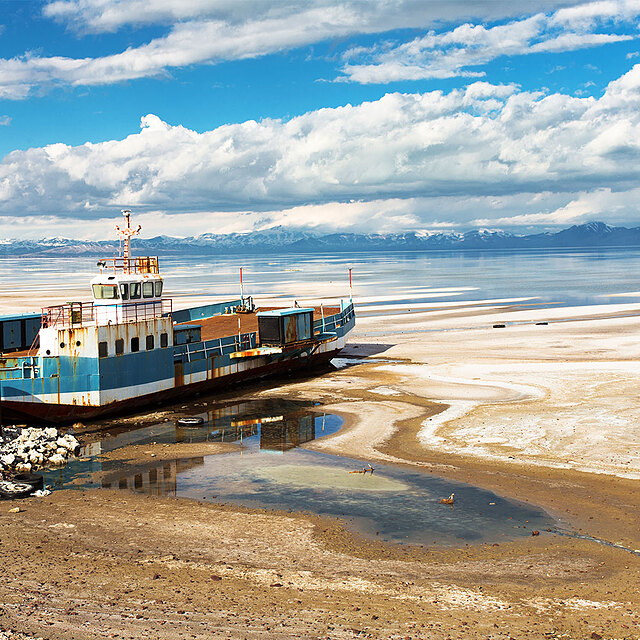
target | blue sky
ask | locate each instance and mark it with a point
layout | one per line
(350, 115)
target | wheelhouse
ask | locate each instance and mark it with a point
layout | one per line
(126, 288)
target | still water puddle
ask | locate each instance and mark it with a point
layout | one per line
(273, 471)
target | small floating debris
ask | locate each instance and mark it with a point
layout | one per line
(190, 421)
(449, 500)
(499, 326)
(540, 324)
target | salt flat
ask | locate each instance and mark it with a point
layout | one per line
(561, 395)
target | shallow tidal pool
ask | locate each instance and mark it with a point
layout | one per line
(273, 470)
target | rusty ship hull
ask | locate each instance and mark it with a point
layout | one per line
(177, 354)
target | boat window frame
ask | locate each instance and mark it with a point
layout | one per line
(100, 287)
(120, 346)
(157, 287)
(150, 342)
(124, 290)
(164, 340)
(135, 344)
(135, 291)
(147, 289)
(103, 349)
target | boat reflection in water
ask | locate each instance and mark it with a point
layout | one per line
(275, 433)
(269, 426)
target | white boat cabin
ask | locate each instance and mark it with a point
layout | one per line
(126, 288)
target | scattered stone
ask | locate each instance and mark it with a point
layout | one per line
(15, 510)
(30, 448)
(535, 533)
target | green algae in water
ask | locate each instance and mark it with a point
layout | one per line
(317, 477)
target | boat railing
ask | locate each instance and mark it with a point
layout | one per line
(333, 322)
(138, 264)
(215, 347)
(78, 314)
(19, 368)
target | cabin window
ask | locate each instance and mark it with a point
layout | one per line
(119, 346)
(124, 290)
(158, 286)
(105, 291)
(134, 290)
(147, 289)
(150, 343)
(164, 340)
(103, 349)
(135, 344)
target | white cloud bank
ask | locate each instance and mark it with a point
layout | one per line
(459, 52)
(368, 15)
(406, 161)
(210, 31)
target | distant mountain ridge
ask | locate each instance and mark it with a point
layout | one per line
(284, 240)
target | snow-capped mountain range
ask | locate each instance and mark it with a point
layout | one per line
(285, 240)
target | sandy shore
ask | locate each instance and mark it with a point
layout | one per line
(542, 413)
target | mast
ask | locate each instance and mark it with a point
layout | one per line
(126, 233)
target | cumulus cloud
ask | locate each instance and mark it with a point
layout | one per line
(202, 31)
(458, 52)
(402, 160)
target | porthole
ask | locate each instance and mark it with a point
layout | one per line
(48, 352)
(62, 345)
(77, 343)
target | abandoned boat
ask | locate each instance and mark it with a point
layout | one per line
(128, 348)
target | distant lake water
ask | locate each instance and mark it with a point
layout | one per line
(567, 277)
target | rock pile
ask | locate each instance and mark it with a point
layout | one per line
(24, 450)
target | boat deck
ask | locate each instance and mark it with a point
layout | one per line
(214, 328)
(18, 354)
(227, 325)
